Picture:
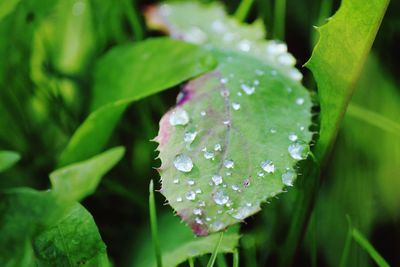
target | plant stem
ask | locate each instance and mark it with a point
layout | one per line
(133, 18)
(243, 9)
(191, 263)
(279, 19)
(215, 252)
(235, 258)
(346, 248)
(153, 225)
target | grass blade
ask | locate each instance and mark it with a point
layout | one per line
(366, 245)
(215, 252)
(346, 248)
(243, 9)
(279, 19)
(153, 224)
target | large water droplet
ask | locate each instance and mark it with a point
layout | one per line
(217, 147)
(179, 117)
(190, 195)
(235, 106)
(217, 179)
(298, 150)
(229, 164)
(300, 101)
(183, 163)
(220, 197)
(189, 137)
(288, 178)
(292, 137)
(268, 166)
(249, 90)
(295, 74)
(286, 59)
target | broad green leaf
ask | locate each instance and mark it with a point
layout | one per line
(338, 58)
(126, 74)
(236, 134)
(178, 243)
(78, 180)
(7, 7)
(39, 230)
(8, 159)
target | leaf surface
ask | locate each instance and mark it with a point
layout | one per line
(236, 134)
(338, 58)
(8, 159)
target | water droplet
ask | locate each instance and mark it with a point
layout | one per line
(235, 187)
(190, 182)
(179, 199)
(209, 155)
(275, 48)
(183, 163)
(248, 204)
(268, 166)
(244, 45)
(223, 80)
(256, 82)
(260, 174)
(219, 211)
(198, 191)
(239, 93)
(203, 113)
(246, 182)
(78, 8)
(274, 72)
(300, 101)
(208, 219)
(217, 26)
(260, 72)
(226, 122)
(295, 74)
(225, 92)
(288, 178)
(272, 130)
(220, 197)
(176, 181)
(286, 59)
(216, 226)
(235, 106)
(195, 35)
(247, 89)
(190, 195)
(242, 213)
(217, 147)
(198, 220)
(229, 164)
(298, 150)
(228, 37)
(189, 137)
(228, 173)
(165, 10)
(302, 128)
(179, 117)
(202, 203)
(292, 137)
(197, 211)
(217, 179)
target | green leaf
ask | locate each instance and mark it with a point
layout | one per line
(236, 134)
(78, 180)
(126, 74)
(338, 58)
(39, 230)
(8, 159)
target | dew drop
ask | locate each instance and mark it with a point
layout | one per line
(248, 204)
(221, 198)
(179, 117)
(288, 178)
(225, 92)
(295, 74)
(272, 130)
(202, 203)
(217, 26)
(235, 187)
(275, 48)
(198, 191)
(217, 179)
(190, 182)
(228, 173)
(235, 106)
(195, 35)
(274, 72)
(203, 113)
(293, 137)
(223, 80)
(219, 211)
(242, 213)
(260, 72)
(229, 164)
(197, 211)
(208, 219)
(198, 220)
(298, 150)
(239, 93)
(286, 59)
(217, 147)
(256, 82)
(176, 181)
(260, 174)
(190, 195)
(247, 89)
(246, 182)
(189, 137)
(300, 101)
(209, 155)
(244, 45)
(268, 166)
(302, 128)
(183, 163)
(216, 226)
(226, 122)
(179, 199)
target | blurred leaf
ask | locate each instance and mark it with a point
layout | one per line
(338, 58)
(8, 159)
(79, 180)
(38, 230)
(126, 74)
(241, 128)
(7, 7)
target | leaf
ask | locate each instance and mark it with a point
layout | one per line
(78, 180)
(237, 132)
(178, 244)
(126, 74)
(337, 61)
(38, 230)
(8, 159)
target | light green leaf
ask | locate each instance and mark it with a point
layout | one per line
(236, 134)
(78, 180)
(338, 58)
(8, 159)
(126, 74)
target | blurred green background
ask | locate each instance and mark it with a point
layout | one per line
(48, 49)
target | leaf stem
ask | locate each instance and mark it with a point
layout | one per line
(235, 258)
(243, 9)
(215, 252)
(153, 224)
(191, 262)
(279, 19)
(133, 18)
(346, 248)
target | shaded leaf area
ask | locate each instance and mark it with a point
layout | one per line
(236, 134)
(178, 244)
(337, 61)
(49, 228)
(126, 74)
(8, 159)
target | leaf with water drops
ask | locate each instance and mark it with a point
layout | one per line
(251, 117)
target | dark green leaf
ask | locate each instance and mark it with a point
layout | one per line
(8, 159)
